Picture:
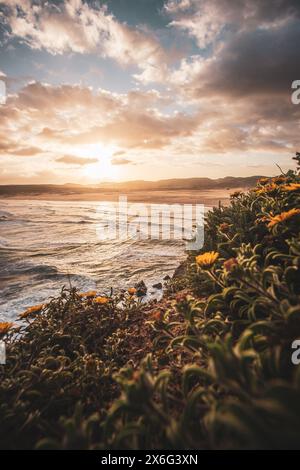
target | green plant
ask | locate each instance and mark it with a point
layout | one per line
(219, 375)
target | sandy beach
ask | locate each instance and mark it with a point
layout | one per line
(209, 197)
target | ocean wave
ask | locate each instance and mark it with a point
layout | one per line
(3, 243)
(4, 216)
(45, 248)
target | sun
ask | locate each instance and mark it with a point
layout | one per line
(102, 169)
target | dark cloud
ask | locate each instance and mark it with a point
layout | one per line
(260, 62)
(207, 19)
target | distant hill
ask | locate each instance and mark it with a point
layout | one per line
(184, 183)
(139, 185)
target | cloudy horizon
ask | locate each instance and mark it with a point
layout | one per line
(120, 90)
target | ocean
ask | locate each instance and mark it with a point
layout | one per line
(45, 245)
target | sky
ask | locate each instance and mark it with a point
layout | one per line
(150, 89)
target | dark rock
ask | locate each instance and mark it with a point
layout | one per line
(180, 270)
(157, 286)
(141, 289)
(167, 277)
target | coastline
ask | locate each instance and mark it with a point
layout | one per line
(208, 366)
(40, 266)
(209, 197)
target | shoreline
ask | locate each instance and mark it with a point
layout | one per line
(96, 363)
(210, 197)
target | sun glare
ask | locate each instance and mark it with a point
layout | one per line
(103, 168)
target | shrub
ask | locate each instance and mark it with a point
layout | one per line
(219, 375)
(229, 381)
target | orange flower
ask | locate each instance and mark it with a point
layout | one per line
(291, 187)
(157, 316)
(101, 300)
(277, 219)
(132, 290)
(267, 189)
(230, 264)
(32, 310)
(89, 295)
(263, 180)
(207, 260)
(224, 228)
(5, 327)
(279, 179)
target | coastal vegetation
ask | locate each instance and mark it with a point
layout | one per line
(208, 367)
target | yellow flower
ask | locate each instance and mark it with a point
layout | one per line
(90, 294)
(267, 189)
(101, 300)
(263, 180)
(31, 310)
(132, 290)
(206, 260)
(5, 326)
(291, 187)
(277, 219)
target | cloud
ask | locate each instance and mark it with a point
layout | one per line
(133, 128)
(242, 84)
(74, 160)
(246, 65)
(26, 151)
(205, 20)
(175, 6)
(244, 91)
(43, 121)
(10, 146)
(76, 26)
(232, 97)
(120, 161)
(51, 120)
